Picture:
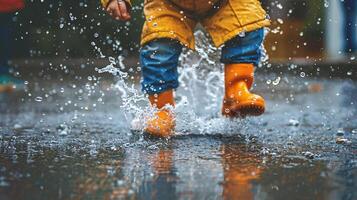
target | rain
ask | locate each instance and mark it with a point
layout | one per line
(74, 117)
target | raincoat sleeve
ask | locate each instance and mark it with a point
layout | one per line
(106, 2)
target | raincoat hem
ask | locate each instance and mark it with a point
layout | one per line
(219, 41)
(166, 34)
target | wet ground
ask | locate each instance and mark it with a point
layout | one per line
(70, 138)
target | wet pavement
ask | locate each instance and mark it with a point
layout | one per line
(70, 138)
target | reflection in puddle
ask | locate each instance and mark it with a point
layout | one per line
(241, 168)
(185, 168)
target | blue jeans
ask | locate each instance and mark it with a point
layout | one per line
(159, 59)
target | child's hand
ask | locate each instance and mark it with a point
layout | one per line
(118, 9)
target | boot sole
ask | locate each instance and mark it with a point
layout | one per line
(246, 109)
(251, 110)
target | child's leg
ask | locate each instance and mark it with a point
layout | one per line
(244, 49)
(240, 55)
(159, 60)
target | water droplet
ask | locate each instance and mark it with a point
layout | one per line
(280, 21)
(293, 122)
(38, 99)
(326, 4)
(242, 34)
(63, 130)
(340, 132)
(308, 154)
(17, 126)
(277, 81)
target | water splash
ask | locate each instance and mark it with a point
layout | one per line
(130, 96)
(199, 97)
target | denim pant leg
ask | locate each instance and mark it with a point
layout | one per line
(244, 49)
(159, 60)
(5, 41)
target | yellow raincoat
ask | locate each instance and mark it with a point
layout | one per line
(177, 19)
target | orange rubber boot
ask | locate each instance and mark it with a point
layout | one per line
(162, 124)
(238, 101)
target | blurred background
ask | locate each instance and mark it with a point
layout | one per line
(308, 29)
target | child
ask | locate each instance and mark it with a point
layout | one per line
(169, 25)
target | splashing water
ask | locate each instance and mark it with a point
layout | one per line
(130, 96)
(199, 97)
